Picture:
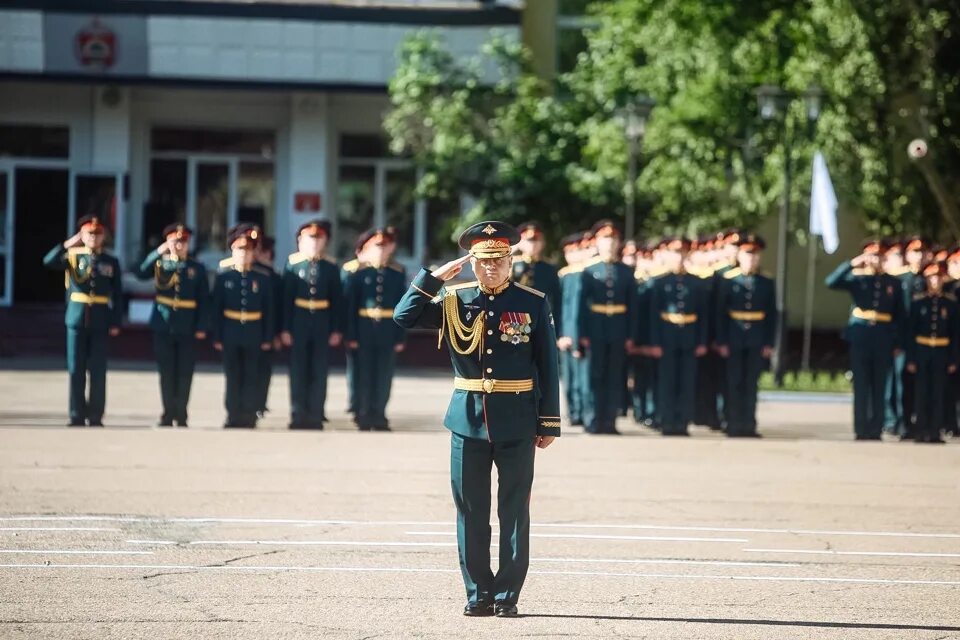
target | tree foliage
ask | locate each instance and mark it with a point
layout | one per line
(889, 71)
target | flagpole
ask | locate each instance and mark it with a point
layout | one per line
(808, 307)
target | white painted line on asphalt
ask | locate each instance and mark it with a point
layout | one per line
(595, 537)
(324, 543)
(830, 552)
(709, 563)
(56, 529)
(415, 523)
(151, 542)
(666, 576)
(77, 552)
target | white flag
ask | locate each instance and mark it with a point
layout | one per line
(823, 205)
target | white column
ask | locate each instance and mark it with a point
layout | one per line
(305, 165)
(111, 129)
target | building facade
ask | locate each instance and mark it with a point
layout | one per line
(209, 113)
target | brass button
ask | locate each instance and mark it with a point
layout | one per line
(489, 332)
(489, 351)
(491, 297)
(489, 370)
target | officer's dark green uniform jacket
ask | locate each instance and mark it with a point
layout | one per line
(183, 294)
(250, 293)
(574, 370)
(94, 305)
(932, 343)
(497, 417)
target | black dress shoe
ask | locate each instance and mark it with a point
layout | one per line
(76, 422)
(505, 610)
(96, 423)
(164, 422)
(478, 609)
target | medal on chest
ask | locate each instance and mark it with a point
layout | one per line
(515, 327)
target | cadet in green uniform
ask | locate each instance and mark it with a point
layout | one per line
(607, 305)
(349, 268)
(873, 332)
(746, 329)
(571, 358)
(726, 244)
(678, 336)
(505, 404)
(371, 294)
(178, 318)
(952, 286)
(241, 326)
(932, 339)
(313, 323)
(645, 372)
(94, 311)
(530, 270)
(709, 367)
(264, 264)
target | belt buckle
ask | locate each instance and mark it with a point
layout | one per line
(487, 384)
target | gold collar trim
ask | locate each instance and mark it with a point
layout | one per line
(495, 290)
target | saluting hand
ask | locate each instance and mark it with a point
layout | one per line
(452, 269)
(72, 241)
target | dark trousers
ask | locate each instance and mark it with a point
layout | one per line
(308, 380)
(351, 374)
(265, 374)
(676, 375)
(871, 363)
(710, 376)
(570, 375)
(953, 396)
(87, 353)
(743, 370)
(895, 420)
(176, 360)
(471, 462)
(241, 364)
(602, 404)
(930, 384)
(373, 366)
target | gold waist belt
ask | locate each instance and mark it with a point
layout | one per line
(312, 305)
(177, 303)
(870, 314)
(85, 298)
(609, 309)
(242, 316)
(931, 341)
(748, 316)
(489, 385)
(376, 314)
(679, 318)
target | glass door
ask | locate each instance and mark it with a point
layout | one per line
(211, 205)
(6, 233)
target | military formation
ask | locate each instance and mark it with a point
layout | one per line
(675, 332)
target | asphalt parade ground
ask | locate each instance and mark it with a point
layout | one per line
(137, 532)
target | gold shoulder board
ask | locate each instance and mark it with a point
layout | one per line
(530, 290)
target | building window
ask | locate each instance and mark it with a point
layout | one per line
(573, 21)
(34, 141)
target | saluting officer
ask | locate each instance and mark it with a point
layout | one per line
(572, 371)
(529, 268)
(873, 331)
(678, 336)
(313, 322)
(505, 404)
(371, 294)
(932, 339)
(242, 321)
(746, 330)
(94, 311)
(266, 253)
(607, 305)
(178, 319)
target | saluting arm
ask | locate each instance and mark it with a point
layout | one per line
(145, 270)
(417, 307)
(56, 258)
(842, 277)
(546, 361)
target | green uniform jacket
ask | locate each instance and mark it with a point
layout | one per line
(568, 320)
(504, 355)
(746, 310)
(935, 321)
(682, 294)
(276, 284)
(94, 277)
(247, 291)
(544, 277)
(608, 285)
(872, 293)
(370, 292)
(177, 282)
(315, 281)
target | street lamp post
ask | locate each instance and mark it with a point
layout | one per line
(773, 104)
(633, 117)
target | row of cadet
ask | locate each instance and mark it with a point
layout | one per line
(251, 313)
(904, 334)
